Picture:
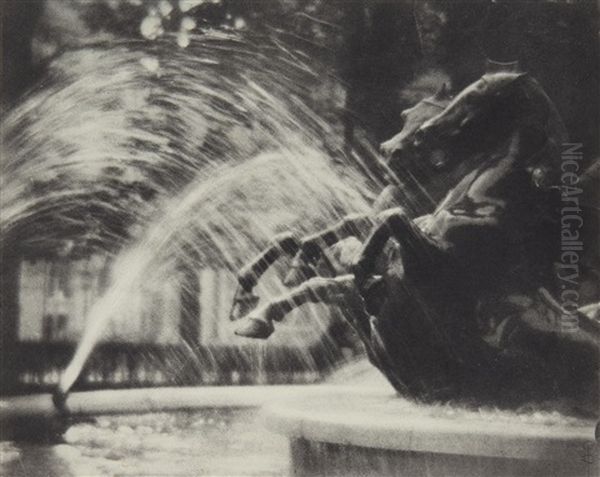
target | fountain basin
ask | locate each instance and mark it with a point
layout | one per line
(379, 433)
(36, 415)
(353, 425)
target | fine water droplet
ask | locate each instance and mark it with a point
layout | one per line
(151, 27)
(187, 23)
(239, 23)
(186, 5)
(151, 64)
(183, 39)
(165, 8)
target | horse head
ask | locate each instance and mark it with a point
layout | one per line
(474, 108)
(489, 111)
(399, 151)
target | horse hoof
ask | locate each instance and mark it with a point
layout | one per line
(243, 303)
(255, 328)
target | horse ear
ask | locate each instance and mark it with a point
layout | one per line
(442, 92)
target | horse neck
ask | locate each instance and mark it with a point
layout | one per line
(537, 114)
(508, 150)
(523, 146)
(473, 162)
(537, 125)
(538, 111)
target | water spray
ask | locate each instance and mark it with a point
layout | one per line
(212, 156)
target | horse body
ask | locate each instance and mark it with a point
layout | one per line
(482, 245)
(448, 304)
(491, 218)
(426, 324)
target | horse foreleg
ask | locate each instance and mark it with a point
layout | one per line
(282, 244)
(338, 291)
(244, 300)
(312, 247)
(419, 251)
(353, 225)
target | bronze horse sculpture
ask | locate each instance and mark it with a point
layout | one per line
(310, 259)
(459, 303)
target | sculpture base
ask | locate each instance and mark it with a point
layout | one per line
(311, 458)
(371, 433)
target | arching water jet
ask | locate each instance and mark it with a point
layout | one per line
(223, 217)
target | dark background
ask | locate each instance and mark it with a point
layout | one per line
(375, 47)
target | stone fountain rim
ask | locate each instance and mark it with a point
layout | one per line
(297, 411)
(307, 419)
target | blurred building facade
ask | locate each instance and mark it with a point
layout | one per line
(56, 297)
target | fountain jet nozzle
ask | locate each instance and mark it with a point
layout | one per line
(59, 399)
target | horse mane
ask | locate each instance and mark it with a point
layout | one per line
(549, 117)
(534, 114)
(541, 112)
